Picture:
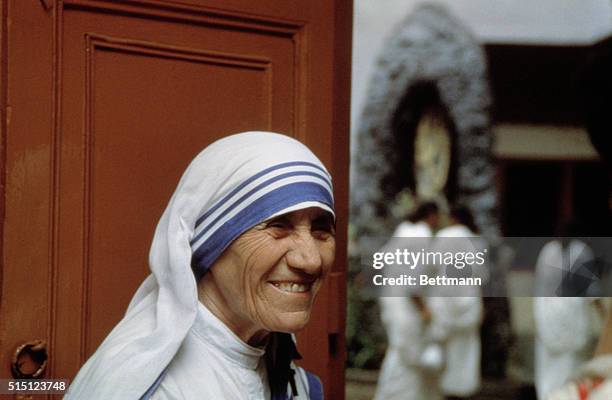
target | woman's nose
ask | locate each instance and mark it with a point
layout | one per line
(304, 254)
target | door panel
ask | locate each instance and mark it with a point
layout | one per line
(144, 93)
(106, 103)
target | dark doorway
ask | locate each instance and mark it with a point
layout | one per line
(538, 196)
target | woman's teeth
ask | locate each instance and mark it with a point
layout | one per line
(292, 287)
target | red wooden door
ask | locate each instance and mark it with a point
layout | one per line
(105, 103)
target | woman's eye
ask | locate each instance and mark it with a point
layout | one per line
(278, 224)
(325, 225)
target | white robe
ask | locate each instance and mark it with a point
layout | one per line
(213, 363)
(596, 369)
(456, 320)
(401, 377)
(562, 323)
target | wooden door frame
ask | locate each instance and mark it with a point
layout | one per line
(340, 171)
(3, 130)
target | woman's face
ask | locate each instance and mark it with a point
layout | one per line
(268, 278)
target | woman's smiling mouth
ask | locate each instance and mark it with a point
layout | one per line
(292, 287)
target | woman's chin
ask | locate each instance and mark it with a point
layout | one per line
(291, 322)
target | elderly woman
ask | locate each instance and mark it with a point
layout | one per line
(237, 260)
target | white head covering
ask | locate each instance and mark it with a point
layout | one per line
(232, 185)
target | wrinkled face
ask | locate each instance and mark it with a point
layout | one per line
(268, 278)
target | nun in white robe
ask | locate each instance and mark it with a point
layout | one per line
(402, 376)
(457, 315)
(169, 345)
(562, 324)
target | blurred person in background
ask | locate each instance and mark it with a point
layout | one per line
(457, 311)
(402, 377)
(562, 324)
(593, 380)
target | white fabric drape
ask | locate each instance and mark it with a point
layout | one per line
(213, 363)
(562, 323)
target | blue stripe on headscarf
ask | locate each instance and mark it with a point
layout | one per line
(256, 189)
(256, 176)
(262, 208)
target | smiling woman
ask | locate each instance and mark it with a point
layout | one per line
(268, 278)
(237, 260)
